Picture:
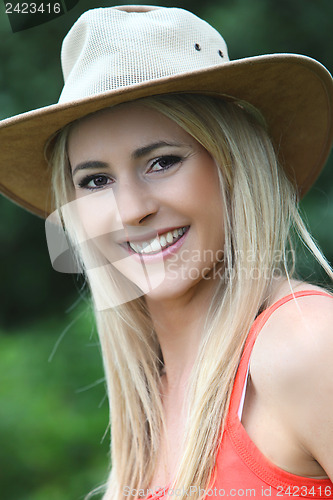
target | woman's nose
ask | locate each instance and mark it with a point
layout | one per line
(135, 202)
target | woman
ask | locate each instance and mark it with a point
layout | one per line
(167, 181)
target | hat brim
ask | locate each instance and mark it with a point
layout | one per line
(294, 94)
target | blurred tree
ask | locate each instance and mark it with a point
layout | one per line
(53, 411)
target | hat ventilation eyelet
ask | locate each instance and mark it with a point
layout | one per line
(197, 47)
(220, 53)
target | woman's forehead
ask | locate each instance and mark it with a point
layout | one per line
(126, 123)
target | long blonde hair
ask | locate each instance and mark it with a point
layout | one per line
(260, 208)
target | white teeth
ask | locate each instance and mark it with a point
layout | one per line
(169, 237)
(163, 241)
(135, 247)
(147, 249)
(157, 243)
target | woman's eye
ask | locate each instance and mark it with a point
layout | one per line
(94, 182)
(164, 162)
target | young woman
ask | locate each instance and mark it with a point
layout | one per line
(176, 175)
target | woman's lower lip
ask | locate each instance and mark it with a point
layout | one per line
(164, 253)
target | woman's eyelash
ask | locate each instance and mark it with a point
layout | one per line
(100, 179)
(165, 162)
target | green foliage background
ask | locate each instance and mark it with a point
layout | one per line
(53, 410)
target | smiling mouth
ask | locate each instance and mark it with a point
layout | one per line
(159, 243)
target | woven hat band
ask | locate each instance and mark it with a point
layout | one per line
(111, 48)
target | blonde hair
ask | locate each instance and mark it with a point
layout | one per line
(260, 208)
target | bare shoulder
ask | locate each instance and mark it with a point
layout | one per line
(297, 336)
(284, 288)
(292, 368)
(303, 318)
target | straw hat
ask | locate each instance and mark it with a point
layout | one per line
(114, 55)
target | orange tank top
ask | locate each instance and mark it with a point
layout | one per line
(241, 470)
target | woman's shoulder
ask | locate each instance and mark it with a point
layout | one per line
(299, 333)
(284, 288)
(292, 370)
(307, 316)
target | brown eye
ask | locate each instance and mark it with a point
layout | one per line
(164, 162)
(100, 181)
(95, 182)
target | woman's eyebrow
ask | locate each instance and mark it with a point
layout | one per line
(138, 153)
(90, 164)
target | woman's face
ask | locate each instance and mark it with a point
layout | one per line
(148, 195)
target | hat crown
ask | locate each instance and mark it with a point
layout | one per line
(110, 48)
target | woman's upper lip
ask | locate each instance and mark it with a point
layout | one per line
(139, 235)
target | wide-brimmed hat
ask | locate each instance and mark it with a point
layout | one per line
(118, 54)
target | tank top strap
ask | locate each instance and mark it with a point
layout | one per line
(239, 389)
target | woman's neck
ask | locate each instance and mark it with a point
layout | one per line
(179, 325)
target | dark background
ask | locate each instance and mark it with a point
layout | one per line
(53, 411)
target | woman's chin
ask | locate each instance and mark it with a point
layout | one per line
(172, 289)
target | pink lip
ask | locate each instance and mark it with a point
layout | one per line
(163, 253)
